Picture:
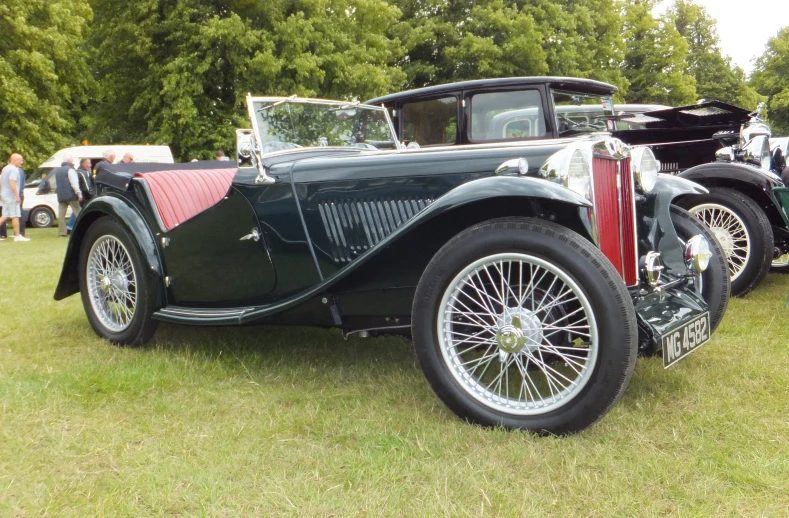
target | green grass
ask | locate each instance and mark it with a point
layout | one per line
(265, 421)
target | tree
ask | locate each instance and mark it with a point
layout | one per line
(44, 80)
(453, 40)
(716, 77)
(178, 71)
(582, 38)
(771, 78)
(655, 61)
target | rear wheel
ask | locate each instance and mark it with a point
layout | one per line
(713, 283)
(743, 231)
(41, 217)
(115, 294)
(523, 323)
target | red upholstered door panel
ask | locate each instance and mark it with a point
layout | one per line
(182, 194)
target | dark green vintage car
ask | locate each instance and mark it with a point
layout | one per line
(529, 274)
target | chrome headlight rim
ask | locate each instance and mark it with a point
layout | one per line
(645, 168)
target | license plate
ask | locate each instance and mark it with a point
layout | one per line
(685, 339)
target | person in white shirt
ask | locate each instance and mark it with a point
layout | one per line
(9, 195)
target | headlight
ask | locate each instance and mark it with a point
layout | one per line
(579, 175)
(697, 253)
(757, 152)
(572, 168)
(644, 167)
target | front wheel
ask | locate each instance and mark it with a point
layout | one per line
(114, 291)
(713, 284)
(523, 323)
(743, 231)
(41, 217)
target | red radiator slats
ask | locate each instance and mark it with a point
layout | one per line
(615, 219)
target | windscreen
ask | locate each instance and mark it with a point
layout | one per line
(293, 124)
(582, 112)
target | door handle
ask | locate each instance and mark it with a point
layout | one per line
(254, 236)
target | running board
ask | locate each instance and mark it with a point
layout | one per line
(202, 316)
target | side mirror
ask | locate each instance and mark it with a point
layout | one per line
(244, 147)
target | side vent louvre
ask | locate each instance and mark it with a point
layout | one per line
(353, 227)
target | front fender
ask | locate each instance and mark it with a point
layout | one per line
(405, 253)
(127, 216)
(724, 173)
(656, 230)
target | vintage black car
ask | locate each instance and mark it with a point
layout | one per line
(726, 149)
(745, 205)
(529, 274)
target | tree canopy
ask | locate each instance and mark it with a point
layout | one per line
(771, 78)
(716, 77)
(176, 72)
(44, 79)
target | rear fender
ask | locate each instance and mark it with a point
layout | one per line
(110, 205)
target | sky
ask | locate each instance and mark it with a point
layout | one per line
(744, 26)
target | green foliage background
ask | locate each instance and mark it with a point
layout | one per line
(176, 71)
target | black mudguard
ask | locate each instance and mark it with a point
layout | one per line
(109, 205)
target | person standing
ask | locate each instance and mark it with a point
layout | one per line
(69, 193)
(86, 187)
(109, 159)
(3, 227)
(128, 158)
(86, 184)
(9, 195)
(220, 155)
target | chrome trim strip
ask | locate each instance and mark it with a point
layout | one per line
(304, 226)
(621, 221)
(196, 312)
(635, 222)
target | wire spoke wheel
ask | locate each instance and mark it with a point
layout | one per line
(730, 231)
(111, 283)
(517, 333)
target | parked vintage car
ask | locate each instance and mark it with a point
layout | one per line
(529, 275)
(745, 203)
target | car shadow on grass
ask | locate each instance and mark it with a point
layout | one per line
(295, 347)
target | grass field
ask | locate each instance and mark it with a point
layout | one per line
(264, 421)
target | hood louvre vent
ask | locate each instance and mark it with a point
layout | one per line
(353, 227)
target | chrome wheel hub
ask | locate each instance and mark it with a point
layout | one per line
(723, 237)
(520, 330)
(112, 283)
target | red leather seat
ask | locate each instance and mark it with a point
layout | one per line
(182, 194)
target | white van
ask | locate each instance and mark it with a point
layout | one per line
(40, 210)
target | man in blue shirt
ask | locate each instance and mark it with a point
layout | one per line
(9, 195)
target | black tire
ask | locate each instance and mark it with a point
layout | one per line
(758, 241)
(596, 281)
(715, 283)
(41, 217)
(140, 327)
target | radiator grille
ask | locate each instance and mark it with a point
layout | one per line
(352, 227)
(615, 213)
